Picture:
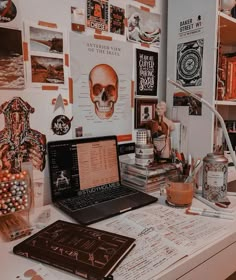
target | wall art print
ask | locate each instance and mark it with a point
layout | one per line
(143, 26)
(117, 20)
(77, 19)
(8, 11)
(11, 59)
(189, 63)
(183, 99)
(19, 142)
(102, 104)
(10, 15)
(146, 72)
(47, 48)
(97, 14)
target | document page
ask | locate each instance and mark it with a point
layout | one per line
(164, 235)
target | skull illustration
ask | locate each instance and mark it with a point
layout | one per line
(103, 83)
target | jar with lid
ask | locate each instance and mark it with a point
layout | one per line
(215, 177)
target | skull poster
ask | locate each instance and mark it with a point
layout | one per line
(102, 87)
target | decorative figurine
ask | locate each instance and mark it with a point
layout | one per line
(161, 128)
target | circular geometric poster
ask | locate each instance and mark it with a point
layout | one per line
(189, 63)
(61, 124)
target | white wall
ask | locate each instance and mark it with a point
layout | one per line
(58, 12)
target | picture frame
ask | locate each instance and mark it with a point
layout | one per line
(144, 111)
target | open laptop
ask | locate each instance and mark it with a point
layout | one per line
(85, 179)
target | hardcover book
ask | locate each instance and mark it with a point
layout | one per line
(87, 252)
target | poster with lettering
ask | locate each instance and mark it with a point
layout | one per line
(97, 14)
(146, 72)
(102, 72)
(191, 26)
(117, 20)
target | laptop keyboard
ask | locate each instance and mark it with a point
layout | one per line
(90, 199)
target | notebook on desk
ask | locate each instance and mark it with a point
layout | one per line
(85, 179)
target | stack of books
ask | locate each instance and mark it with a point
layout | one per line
(227, 74)
(146, 178)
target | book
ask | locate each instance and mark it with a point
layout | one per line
(84, 251)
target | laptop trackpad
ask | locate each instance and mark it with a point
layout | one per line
(103, 210)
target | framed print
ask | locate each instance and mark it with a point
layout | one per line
(144, 111)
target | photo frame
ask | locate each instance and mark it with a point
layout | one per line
(144, 111)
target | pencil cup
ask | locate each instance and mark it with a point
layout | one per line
(179, 193)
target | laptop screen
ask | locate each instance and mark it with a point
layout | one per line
(82, 164)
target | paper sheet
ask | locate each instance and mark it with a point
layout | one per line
(164, 235)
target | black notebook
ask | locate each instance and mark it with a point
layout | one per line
(85, 179)
(84, 251)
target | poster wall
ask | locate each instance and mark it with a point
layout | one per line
(102, 73)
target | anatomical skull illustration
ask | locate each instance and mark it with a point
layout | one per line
(103, 83)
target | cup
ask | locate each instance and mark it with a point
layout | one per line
(179, 193)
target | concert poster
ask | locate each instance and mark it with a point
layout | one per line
(146, 72)
(117, 20)
(97, 14)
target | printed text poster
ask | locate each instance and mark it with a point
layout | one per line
(147, 66)
(102, 73)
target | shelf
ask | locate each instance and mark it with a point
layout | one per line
(225, 102)
(227, 25)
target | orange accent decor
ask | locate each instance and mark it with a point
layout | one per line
(145, 45)
(47, 24)
(126, 22)
(126, 137)
(49, 87)
(65, 101)
(25, 51)
(67, 59)
(102, 37)
(71, 96)
(78, 27)
(97, 31)
(145, 9)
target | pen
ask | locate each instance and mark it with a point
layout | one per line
(207, 214)
(211, 204)
(210, 211)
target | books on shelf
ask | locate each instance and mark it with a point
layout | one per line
(227, 74)
(84, 251)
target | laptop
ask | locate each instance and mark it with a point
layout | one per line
(85, 179)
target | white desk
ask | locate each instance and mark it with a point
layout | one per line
(214, 261)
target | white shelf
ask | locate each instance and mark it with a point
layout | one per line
(227, 27)
(225, 102)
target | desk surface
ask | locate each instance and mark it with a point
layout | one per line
(211, 259)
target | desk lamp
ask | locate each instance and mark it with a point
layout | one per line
(219, 117)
